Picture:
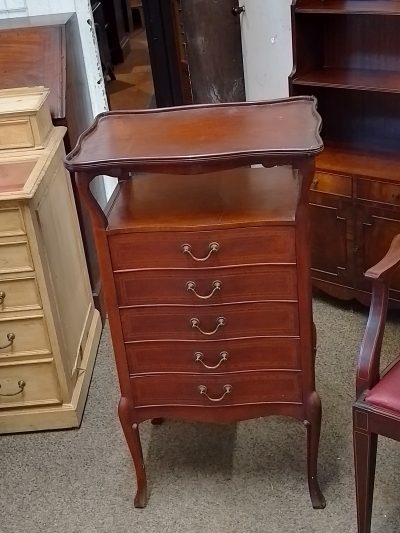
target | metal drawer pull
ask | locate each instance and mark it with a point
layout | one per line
(21, 385)
(315, 182)
(217, 285)
(195, 323)
(227, 390)
(198, 357)
(10, 337)
(213, 247)
(2, 297)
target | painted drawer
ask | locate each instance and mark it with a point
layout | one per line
(19, 294)
(210, 322)
(202, 286)
(211, 356)
(28, 383)
(22, 335)
(11, 221)
(15, 256)
(217, 390)
(202, 249)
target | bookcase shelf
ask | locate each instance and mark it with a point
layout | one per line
(355, 7)
(346, 55)
(357, 79)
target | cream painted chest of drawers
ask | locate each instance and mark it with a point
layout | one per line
(49, 328)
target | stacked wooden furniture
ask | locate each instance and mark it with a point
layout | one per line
(47, 50)
(206, 273)
(49, 329)
(346, 54)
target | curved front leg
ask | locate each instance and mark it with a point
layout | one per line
(313, 425)
(131, 432)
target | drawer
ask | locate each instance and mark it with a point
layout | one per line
(18, 294)
(15, 257)
(203, 286)
(234, 247)
(208, 356)
(30, 336)
(378, 191)
(16, 133)
(217, 389)
(332, 184)
(239, 320)
(28, 383)
(11, 221)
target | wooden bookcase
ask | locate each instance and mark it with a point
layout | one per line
(346, 53)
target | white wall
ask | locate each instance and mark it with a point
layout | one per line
(267, 48)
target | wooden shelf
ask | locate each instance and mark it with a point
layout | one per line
(380, 166)
(360, 80)
(351, 7)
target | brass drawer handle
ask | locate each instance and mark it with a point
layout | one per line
(2, 297)
(21, 385)
(315, 183)
(226, 388)
(216, 286)
(213, 247)
(10, 337)
(195, 323)
(198, 357)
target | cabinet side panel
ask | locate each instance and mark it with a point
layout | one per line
(63, 260)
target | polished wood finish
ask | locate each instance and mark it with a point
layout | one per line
(369, 418)
(242, 350)
(354, 71)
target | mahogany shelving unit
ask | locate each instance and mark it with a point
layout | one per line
(346, 54)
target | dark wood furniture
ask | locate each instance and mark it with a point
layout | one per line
(377, 409)
(346, 54)
(209, 48)
(195, 51)
(205, 263)
(118, 25)
(47, 50)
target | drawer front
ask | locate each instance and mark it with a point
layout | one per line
(16, 133)
(235, 247)
(19, 294)
(217, 389)
(11, 221)
(28, 383)
(378, 191)
(203, 286)
(239, 320)
(15, 257)
(208, 356)
(332, 184)
(30, 335)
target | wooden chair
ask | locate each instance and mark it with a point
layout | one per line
(377, 408)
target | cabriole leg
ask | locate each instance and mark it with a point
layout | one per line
(313, 425)
(131, 432)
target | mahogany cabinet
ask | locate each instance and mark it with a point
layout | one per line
(346, 55)
(206, 263)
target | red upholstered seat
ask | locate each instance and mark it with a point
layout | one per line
(386, 393)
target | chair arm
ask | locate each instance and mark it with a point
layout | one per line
(370, 352)
(387, 266)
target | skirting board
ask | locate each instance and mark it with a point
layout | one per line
(65, 415)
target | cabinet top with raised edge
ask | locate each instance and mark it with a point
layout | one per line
(180, 137)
